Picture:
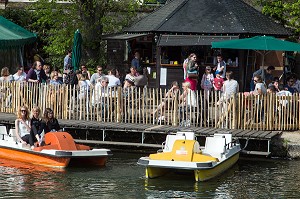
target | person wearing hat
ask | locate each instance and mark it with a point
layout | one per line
(218, 82)
(128, 83)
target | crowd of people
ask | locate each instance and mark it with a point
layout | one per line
(220, 80)
(82, 79)
(30, 128)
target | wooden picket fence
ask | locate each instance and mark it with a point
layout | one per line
(136, 105)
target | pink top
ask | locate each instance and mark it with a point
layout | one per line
(192, 82)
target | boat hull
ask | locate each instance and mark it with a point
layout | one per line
(204, 173)
(207, 174)
(34, 157)
(59, 150)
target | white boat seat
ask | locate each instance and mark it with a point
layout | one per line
(215, 146)
(12, 135)
(188, 135)
(3, 133)
(228, 136)
(170, 142)
(3, 130)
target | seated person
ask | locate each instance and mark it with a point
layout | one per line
(37, 126)
(50, 122)
(290, 85)
(169, 96)
(22, 126)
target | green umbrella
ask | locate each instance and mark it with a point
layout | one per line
(76, 51)
(261, 44)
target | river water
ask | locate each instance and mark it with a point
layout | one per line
(123, 178)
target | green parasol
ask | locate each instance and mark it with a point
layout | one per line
(76, 51)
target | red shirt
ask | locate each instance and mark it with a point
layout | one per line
(192, 82)
(218, 83)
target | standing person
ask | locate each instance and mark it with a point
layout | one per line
(136, 61)
(265, 75)
(113, 80)
(68, 61)
(6, 76)
(192, 66)
(218, 82)
(231, 86)
(260, 88)
(96, 75)
(22, 126)
(50, 122)
(20, 75)
(185, 63)
(36, 74)
(207, 80)
(221, 66)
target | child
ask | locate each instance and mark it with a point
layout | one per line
(207, 82)
(218, 82)
(207, 79)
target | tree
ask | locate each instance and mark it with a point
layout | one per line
(285, 12)
(56, 23)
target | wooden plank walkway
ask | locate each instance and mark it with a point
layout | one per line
(8, 119)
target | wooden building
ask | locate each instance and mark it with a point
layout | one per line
(168, 35)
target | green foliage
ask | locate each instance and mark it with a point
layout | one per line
(55, 24)
(285, 12)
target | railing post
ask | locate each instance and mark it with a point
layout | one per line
(119, 106)
(175, 116)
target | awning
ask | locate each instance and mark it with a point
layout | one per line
(13, 35)
(124, 36)
(191, 40)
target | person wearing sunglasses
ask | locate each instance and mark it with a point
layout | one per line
(96, 75)
(23, 128)
(260, 88)
(290, 85)
(50, 122)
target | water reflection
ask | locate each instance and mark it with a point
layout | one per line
(123, 178)
(184, 186)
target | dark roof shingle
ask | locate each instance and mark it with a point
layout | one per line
(208, 17)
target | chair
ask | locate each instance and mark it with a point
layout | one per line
(168, 144)
(215, 146)
(228, 137)
(12, 135)
(3, 132)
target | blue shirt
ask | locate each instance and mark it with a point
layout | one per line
(136, 63)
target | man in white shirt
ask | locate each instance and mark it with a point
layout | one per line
(113, 80)
(20, 75)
